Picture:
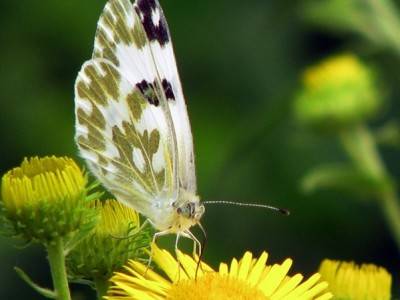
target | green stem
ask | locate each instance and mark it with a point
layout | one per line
(101, 287)
(56, 259)
(387, 20)
(361, 147)
(391, 209)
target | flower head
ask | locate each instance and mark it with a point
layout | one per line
(338, 92)
(247, 279)
(350, 281)
(44, 197)
(115, 239)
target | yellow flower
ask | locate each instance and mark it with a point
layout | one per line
(43, 198)
(350, 281)
(334, 70)
(247, 279)
(40, 180)
(113, 241)
(338, 92)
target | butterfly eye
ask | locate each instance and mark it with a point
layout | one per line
(185, 210)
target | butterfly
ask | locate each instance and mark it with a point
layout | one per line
(132, 126)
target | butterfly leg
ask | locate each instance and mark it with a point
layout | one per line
(178, 235)
(198, 256)
(155, 236)
(196, 242)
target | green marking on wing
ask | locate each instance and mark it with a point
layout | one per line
(108, 135)
(94, 125)
(102, 87)
(136, 104)
(113, 29)
(146, 143)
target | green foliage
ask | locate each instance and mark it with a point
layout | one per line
(42, 291)
(239, 63)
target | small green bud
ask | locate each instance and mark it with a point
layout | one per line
(116, 238)
(337, 93)
(44, 198)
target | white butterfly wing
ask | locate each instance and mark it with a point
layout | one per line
(136, 39)
(124, 139)
(132, 126)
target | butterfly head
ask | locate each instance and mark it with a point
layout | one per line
(189, 210)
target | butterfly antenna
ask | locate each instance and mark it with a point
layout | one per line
(283, 211)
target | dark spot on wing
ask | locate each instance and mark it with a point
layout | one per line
(168, 89)
(146, 5)
(148, 91)
(145, 9)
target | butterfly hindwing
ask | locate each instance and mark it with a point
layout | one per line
(136, 39)
(123, 136)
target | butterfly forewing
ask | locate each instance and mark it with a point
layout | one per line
(135, 38)
(124, 139)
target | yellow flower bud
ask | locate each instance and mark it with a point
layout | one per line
(44, 197)
(115, 239)
(338, 92)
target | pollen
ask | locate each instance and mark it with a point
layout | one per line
(214, 286)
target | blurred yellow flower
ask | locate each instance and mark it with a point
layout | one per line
(337, 92)
(350, 281)
(247, 279)
(335, 70)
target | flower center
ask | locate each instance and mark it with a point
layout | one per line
(214, 286)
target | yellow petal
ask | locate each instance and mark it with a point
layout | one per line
(166, 262)
(244, 265)
(274, 278)
(189, 265)
(315, 290)
(223, 269)
(302, 288)
(287, 287)
(234, 268)
(142, 270)
(257, 270)
(325, 296)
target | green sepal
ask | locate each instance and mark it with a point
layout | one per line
(91, 218)
(85, 229)
(91, 193)
(342, 177)
(6, 226)
(97, 258)
(42, 291)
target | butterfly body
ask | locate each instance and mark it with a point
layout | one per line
(176, 215)
(132, 126)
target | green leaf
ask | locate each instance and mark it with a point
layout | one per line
(43, 291)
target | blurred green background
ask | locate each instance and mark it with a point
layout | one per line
(240, 64)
